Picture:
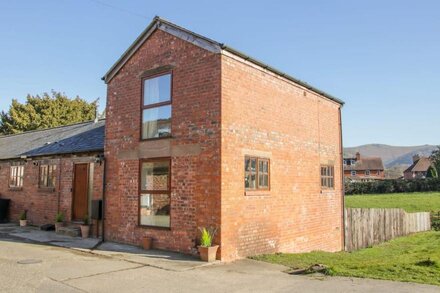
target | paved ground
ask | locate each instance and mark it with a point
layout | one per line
(28, 266)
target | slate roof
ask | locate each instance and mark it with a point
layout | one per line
(421, 165)
(366, 163)
(75, 138)
(204, 42)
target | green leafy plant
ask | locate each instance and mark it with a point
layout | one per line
(59, 218)
(23, 215)
(207, 236)
(86, 220)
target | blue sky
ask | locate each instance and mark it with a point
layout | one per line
(381, 57)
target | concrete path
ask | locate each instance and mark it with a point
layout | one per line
(28, 266)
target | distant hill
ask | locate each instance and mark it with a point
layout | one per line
(392, 156)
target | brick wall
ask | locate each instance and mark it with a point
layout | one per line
(222, 110)
(267, 116)
(194, 147)
(43, 204)
(360, 175)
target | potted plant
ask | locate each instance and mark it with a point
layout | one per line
(147, 242)
(59, 219)
(85, 228)
(208, 252)
(23, 219)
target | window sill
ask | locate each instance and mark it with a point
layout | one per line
(46, 189)
(154, 227)
(156, 138)
(257, 193)
(11, 188)
(328, 190)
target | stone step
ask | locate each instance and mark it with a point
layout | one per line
(73, 231)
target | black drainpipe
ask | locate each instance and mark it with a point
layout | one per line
(341, 152)
(103, 197)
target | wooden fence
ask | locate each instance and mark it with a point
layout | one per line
(367, 227)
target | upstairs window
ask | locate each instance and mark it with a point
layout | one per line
(327, 177)
(48, 176)
(353, 173)
(156, 106)
(257, 173)
(367, 172)
(16, 176)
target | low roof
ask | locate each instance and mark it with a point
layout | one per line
(75, 138)
(204, 42)
(421, 165)
(366, 163)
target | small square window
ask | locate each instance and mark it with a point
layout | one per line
(48, 176)
(16, 176)
(256, 172)
(367, 172)
(327, 177)
(353, 173)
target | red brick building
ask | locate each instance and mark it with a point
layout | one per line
(363, 168)
(419, 169)
(45, 172)
(199, 134)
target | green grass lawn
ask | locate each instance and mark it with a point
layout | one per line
(410, 202)
(414, 258)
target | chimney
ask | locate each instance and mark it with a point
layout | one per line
(358, 156)
(416, 158)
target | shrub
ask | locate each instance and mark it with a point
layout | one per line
(23, 215)
(207, 236)
(59, 218)
(392, 185)
(86, 220)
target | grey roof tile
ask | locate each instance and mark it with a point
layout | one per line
(75, 138)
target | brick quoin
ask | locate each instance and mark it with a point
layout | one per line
(223, 108)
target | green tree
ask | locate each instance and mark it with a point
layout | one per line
(435, 159)
(45, 111)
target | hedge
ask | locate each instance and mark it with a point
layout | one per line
(392, 185)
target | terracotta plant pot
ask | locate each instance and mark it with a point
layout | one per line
(58, 225)
(85, 231)
(23, 223)
(147, 243)
(208, 253)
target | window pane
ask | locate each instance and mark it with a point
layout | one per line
(157, 89)
(247, 164)
(253, 164)
(155, 210)
(253, 181)
(263, 180)
(156, 122)
(247, 179)
(154, 175)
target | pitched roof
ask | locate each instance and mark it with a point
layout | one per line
(203, 42)
(421, 165)
(366, 163)
(75, 138)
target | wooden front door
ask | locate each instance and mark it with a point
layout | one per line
(80, 191)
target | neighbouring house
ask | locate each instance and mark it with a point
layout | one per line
(363, 168)
(53, 170)
(418, 169)
(200, 135)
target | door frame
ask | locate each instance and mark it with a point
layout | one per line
(73, 189)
